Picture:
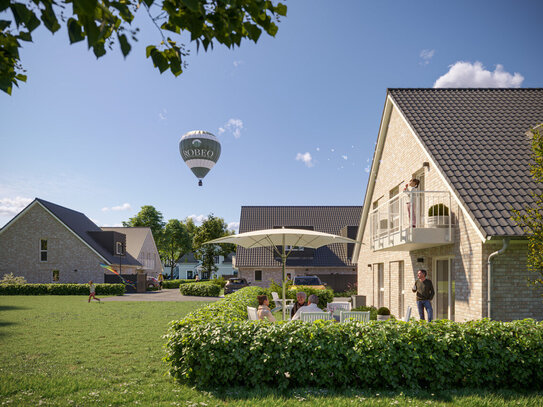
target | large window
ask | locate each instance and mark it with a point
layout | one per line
(445, 288)
(43, 250)
(258, 275)
(379, 268)
(119, 248)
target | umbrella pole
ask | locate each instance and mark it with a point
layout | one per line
(284, 260)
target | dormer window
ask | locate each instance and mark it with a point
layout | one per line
(119, 248)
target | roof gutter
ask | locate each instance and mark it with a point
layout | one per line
(489, 268)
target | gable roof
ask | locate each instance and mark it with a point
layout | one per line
(477, 137)
(79, 225)
(328, 219)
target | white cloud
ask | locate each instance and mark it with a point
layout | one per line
(367, 169)
(318, 149)
(468, 75)
(162, 115)
(238, 63)
(198, 219)
(306, 159)
(124, 207)
(344, 157)
(233, 226)
(11, 207)
(426, 55)
(234, 126)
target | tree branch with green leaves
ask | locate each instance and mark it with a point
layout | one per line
(104, 23)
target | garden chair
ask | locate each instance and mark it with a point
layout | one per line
(407, 314)
(362, 316)
(313, 316)
(280, 302)
(338, 305)
(252, 314)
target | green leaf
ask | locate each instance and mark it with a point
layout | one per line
(4, 4)
(85, 7)
(192, 5)
(281, 9)
(75, 31)
(159, 60)
(4, 24)
(50, 19)
(149, 50)
(25, 36)
(20, 13)
(125, 46)
(149, 3)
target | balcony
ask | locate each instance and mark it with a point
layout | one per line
(412, 221)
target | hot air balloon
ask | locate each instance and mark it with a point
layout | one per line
(200, 151)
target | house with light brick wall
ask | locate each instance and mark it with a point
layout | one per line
(48, 243)
(470, 150)
(333, 264)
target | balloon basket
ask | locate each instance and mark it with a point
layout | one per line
(200, 183)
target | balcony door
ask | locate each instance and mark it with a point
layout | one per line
(445, 288)
(380, 269)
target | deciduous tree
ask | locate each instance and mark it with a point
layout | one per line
(148, 216)
(530, 218)
(176, 241)
(105, 22)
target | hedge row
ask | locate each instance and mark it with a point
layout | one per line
(177, 283)
(60, 289)
(325, 296)
(217, 346)
(207, 289)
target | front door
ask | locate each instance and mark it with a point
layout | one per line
(444, 287)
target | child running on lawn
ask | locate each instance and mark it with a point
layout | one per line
(92, 289)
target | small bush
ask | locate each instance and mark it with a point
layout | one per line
(438, 210)
(177, 283)
(383, 311)
(11, 279)
(207, 289)
(351, 290)
(220, 281)
(60, 289)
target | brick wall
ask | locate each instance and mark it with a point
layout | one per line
(20, 251)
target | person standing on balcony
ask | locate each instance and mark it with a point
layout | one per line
(425, 294)
(412, 188)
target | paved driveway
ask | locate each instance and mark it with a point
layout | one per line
(171, 294)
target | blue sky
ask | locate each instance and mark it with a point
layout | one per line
(297, 115)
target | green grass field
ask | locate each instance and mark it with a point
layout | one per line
(62, 351)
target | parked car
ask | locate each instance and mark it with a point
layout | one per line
(152, 282)
(312, 281)
(235, 283)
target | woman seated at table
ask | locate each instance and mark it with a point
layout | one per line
(264, 308)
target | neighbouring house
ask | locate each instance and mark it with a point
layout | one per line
(141, 245)
(48, 243)
(470, 149)
(188, 266)
(333, 264)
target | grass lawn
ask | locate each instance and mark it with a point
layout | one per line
(62, 351)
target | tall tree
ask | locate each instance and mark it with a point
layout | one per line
(212, 228)
(102, 23)
(530, 218)
(176, 241)
(150, 217)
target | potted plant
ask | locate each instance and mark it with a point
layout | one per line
(383, 314)
(438, 215)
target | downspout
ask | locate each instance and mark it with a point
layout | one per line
(489, 272)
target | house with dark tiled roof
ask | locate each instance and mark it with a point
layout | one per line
(47, 243)
(470, 150)
(333, 264)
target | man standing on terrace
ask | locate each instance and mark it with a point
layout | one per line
(425, 294)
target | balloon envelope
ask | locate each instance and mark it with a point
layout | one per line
(200, 150)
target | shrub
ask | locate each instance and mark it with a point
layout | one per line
(208, 350)
(11, 279)
(220, 281)
(325, 296)
(351, 290)
(383, 311)
(207, 289)
(60, 289)
(371, 309)
(177, 283)
(438, 210)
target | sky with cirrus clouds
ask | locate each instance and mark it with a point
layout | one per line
(297, 115)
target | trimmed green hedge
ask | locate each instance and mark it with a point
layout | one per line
(217, 346)
(177, 283)
(60, 289)
(207, 289)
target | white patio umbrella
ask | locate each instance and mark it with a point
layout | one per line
(282, 237)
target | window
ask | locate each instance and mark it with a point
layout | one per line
(293, 248)
(119, 248)
(258, 275)
(379, 268)
(56, 274)
(43, 250)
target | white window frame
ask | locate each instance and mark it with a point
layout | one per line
(451, 296)
(42, 251)
(119, 248)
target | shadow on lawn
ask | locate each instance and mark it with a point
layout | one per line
(4, 324)
(303, 394)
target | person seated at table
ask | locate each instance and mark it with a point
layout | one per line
(300, 302)
(311, 307)
(264, 308)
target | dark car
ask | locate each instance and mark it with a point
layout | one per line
(234, 284)
(312, 281)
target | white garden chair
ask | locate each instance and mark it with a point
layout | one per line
(313, 316)
(252, 314)
(407, 314)
(338, 305)
(279, 302)
(362, 316)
